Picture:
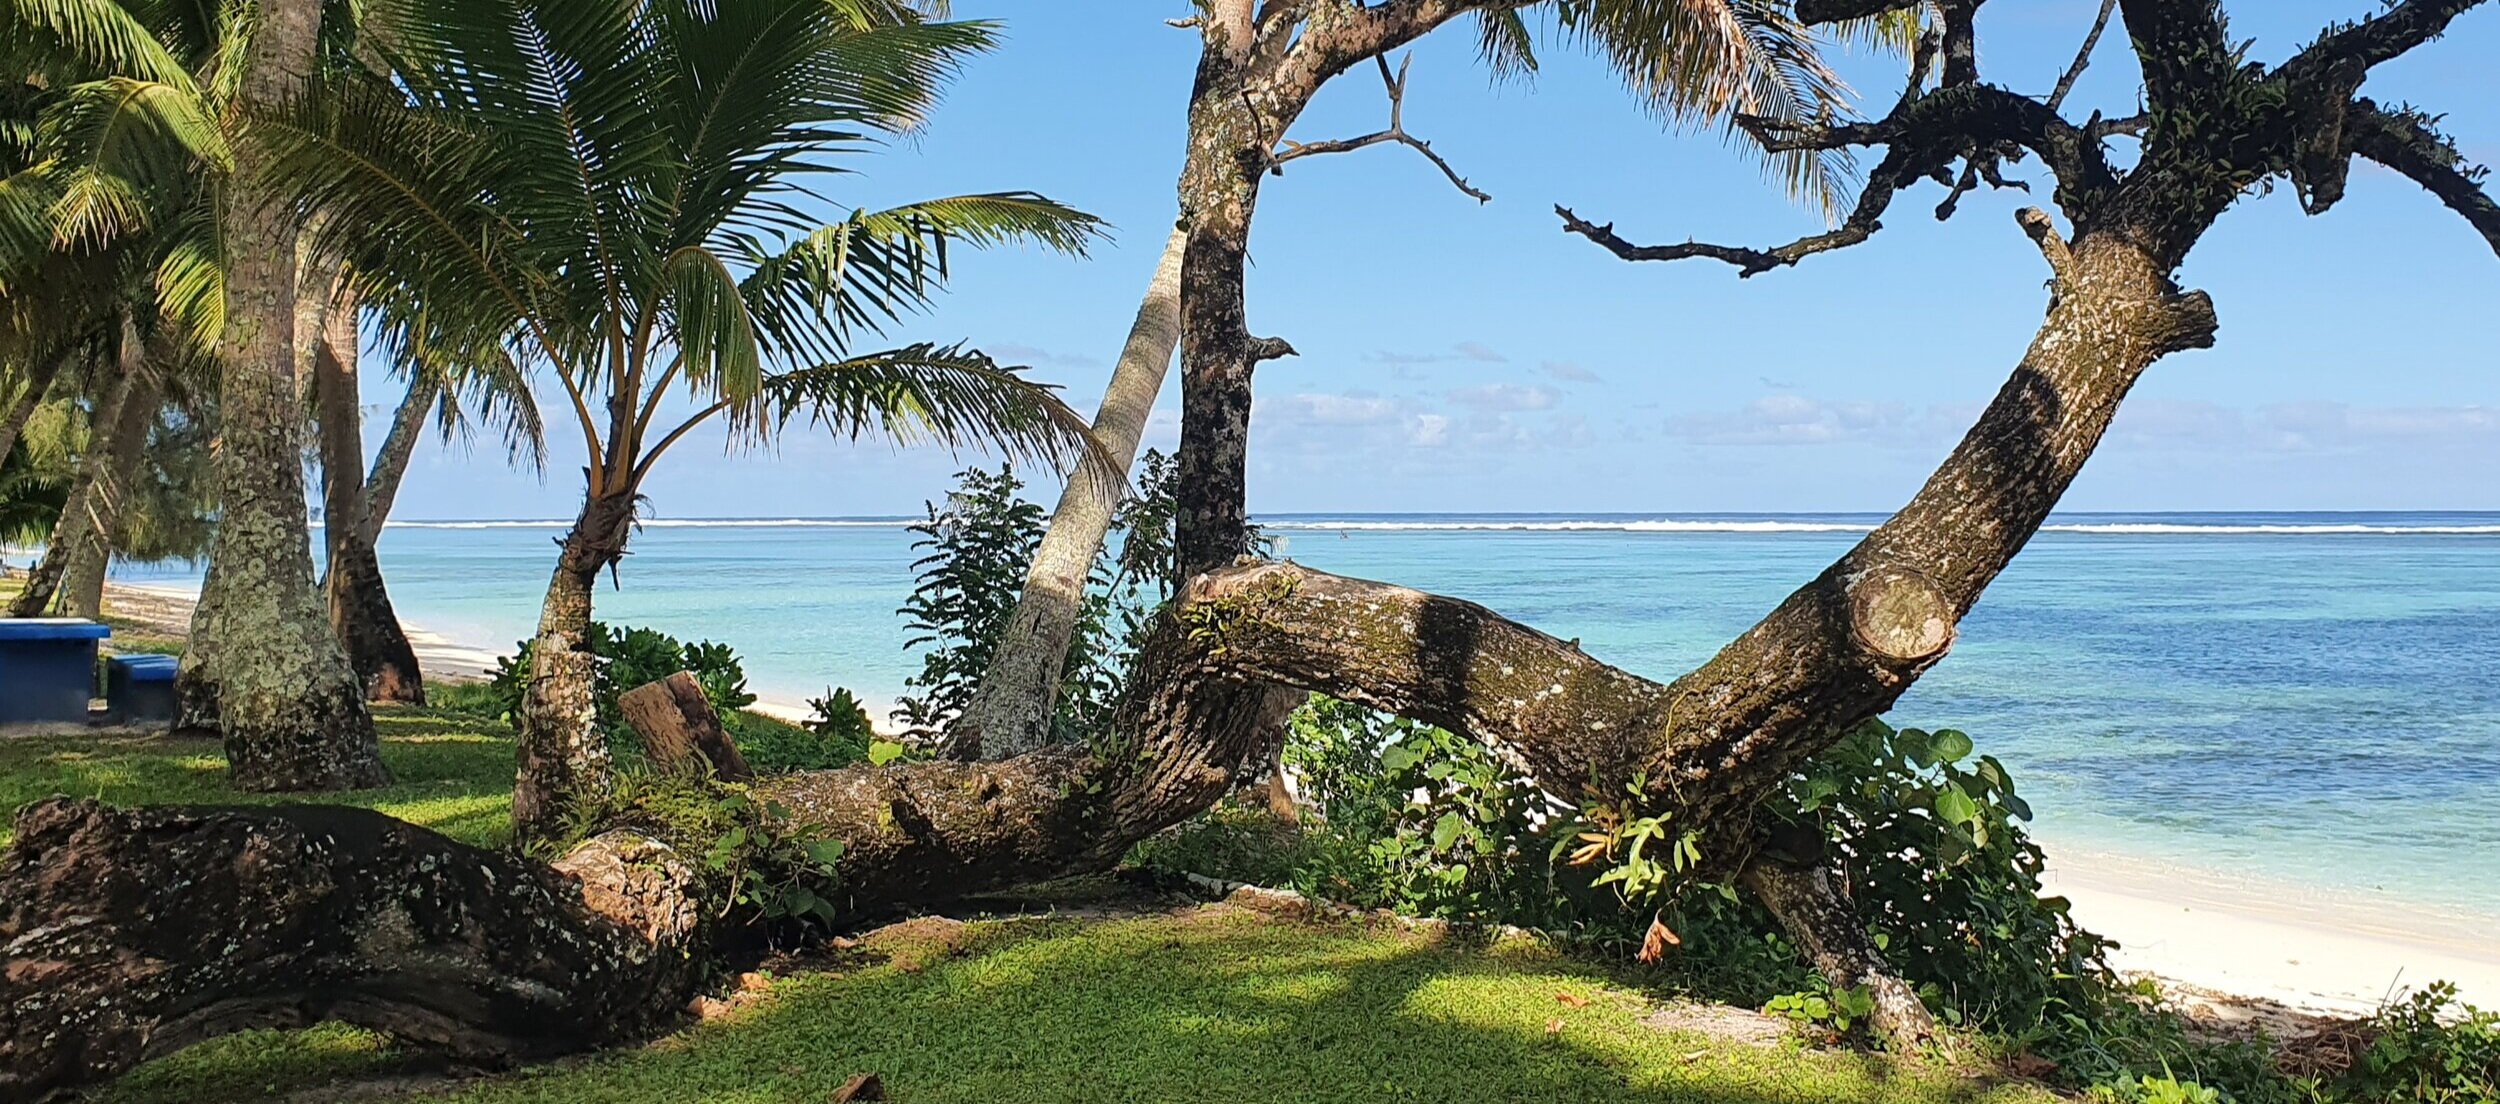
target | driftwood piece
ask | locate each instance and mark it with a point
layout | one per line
(680, 730)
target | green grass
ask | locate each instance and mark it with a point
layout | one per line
(1218, 1005)
(454, 773)
(1215, 1005)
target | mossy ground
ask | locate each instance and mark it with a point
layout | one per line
(1212, 1004)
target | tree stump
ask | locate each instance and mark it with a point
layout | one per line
(680, 730)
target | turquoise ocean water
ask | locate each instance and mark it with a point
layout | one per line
(2311, 698)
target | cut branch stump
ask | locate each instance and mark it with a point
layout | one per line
(680, 730)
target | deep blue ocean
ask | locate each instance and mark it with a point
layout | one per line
(2313, 698)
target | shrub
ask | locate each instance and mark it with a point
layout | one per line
(1415, 819)
(1944, 873)
(2430, 1047)
(977, 547)
(623, 660)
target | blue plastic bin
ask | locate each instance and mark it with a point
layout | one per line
(139, 689)
(47, 669)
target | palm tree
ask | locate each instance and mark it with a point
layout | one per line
(152, 136)
(622, 189)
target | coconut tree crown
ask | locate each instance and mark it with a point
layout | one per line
(620, 193)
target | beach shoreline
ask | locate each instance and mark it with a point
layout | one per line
(2218, 933)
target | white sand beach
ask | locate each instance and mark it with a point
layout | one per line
(2282, 944)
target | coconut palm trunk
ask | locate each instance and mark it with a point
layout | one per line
(1011, 711)
(359, 603)
(390, 463)
(263, 661)
(125, 453)
(563, 754)
(82, 522)
(22, 408)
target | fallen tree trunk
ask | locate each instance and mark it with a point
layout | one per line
(1239, 647)
(133, 933)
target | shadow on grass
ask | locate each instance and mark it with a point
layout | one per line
(1210, 1006)
(452, 774)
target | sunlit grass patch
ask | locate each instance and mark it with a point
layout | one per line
(256, 1065)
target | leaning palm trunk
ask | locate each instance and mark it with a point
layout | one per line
(263, 662)
(22, 409)
(359, 604)
(82, 584)
(84, 523)
(390, 465)
(1011, 711)
(564, 758)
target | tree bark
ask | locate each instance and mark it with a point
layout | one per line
(390, 463)
(133, 933)
(82, 584)
(1808, 904)
(358, 602)
(1229, 142)
(1011, 710)
(564, 760)
(263, 658)
(29, 396)
(85, 519)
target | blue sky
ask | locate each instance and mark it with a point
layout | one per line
(1458, 357)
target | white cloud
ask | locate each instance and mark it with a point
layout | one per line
(1428, 430)
(1475, 351)
(1568, 372)
(2300, 427)
(1350, 409)
(1038, 356)
(2144, 425)
(1800, 420)
(1506, 396)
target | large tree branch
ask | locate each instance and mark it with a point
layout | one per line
(2383, 37)
(1813, 12)
(2405, 142)
(1923, 134)
(1338, 34)
(2181, 48)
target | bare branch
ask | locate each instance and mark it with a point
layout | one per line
(2405, 142)
(1396, 85)
(1889, 177)
(2083, 57)
(2131, 125)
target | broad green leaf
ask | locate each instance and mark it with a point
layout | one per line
(1950, 745)
(1956, 807)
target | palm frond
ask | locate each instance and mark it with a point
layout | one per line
(122, 144)
(878, 266)
(715, 337)
(946, 395)
(100, 37)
